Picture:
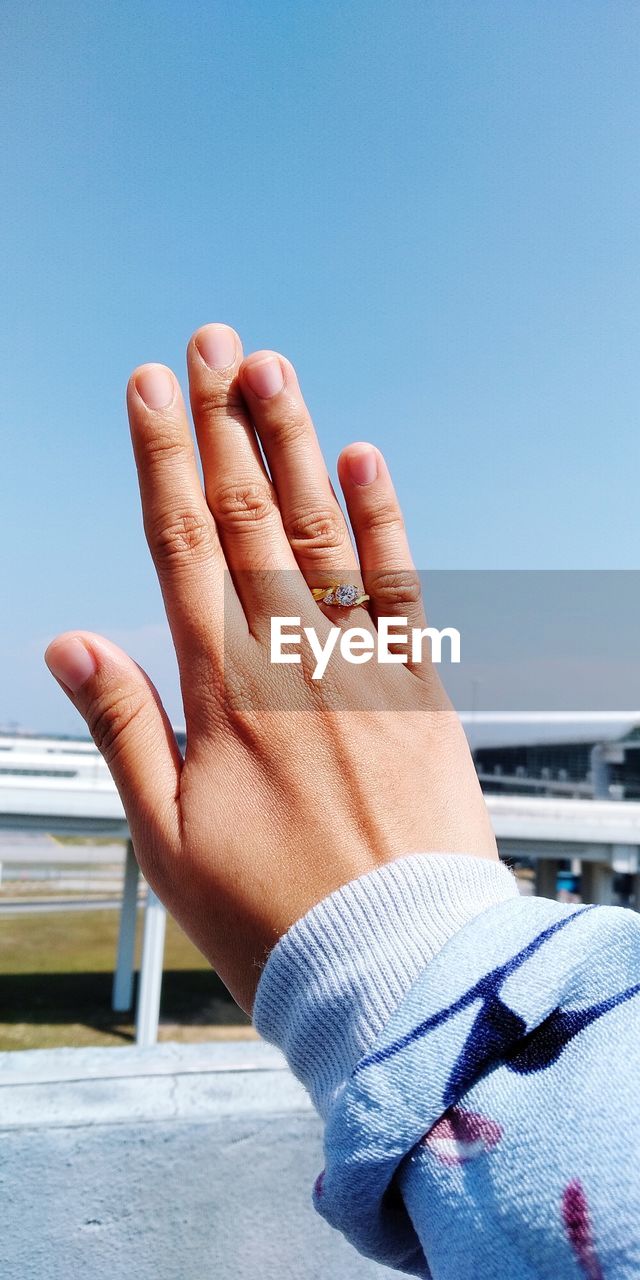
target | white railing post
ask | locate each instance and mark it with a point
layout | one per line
(122, 997)
(150, 987)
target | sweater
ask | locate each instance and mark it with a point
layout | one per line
(475, 1057)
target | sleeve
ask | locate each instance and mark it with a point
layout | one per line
(474, 1055)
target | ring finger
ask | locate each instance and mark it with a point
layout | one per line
(314, 524)
(389, 575)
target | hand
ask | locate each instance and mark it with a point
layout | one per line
(289, 787)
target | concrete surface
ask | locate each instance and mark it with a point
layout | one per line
(181, 1162)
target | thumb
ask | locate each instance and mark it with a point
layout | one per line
(129, 726)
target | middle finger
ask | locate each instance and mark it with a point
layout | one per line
(238, 490)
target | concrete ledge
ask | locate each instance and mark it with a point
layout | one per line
(181, 1162)
(68, 1087)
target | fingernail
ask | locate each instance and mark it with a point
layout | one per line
(363, 467)
(265, 377)
(70, 662)
(155, 385)
(217, 346)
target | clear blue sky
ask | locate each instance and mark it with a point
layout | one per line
(430, 205)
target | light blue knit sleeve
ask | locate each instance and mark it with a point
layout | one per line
(475, 1055)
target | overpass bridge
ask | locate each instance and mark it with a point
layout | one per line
(64, 788)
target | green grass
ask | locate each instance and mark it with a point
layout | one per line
(91, 840)
(56, 971)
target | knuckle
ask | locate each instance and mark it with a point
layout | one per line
(396, 588)
(161, 445)
(180, 537)
(110, 717)
(217, 398)
(287, 427)
(239, 505)
(315, 531)
(384, 519)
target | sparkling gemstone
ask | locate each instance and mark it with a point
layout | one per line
(346, 595)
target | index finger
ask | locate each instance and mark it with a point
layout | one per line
(180, 529)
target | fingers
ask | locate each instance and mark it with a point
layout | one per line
(238, 490)
(180, 529)
(385, 559)
(312, 519)
(130, 728)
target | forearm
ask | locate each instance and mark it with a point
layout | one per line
(472, 1067)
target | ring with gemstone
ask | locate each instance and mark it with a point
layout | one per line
(344, 594)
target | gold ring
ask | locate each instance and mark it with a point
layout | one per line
(344, 594)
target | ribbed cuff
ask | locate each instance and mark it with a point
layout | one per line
(333, 981)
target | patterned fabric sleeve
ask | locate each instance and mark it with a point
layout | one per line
(482, 1107)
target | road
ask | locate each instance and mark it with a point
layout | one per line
(61, 904)
(25, 847)
(28, 849)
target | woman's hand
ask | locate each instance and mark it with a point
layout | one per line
(290, 787)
